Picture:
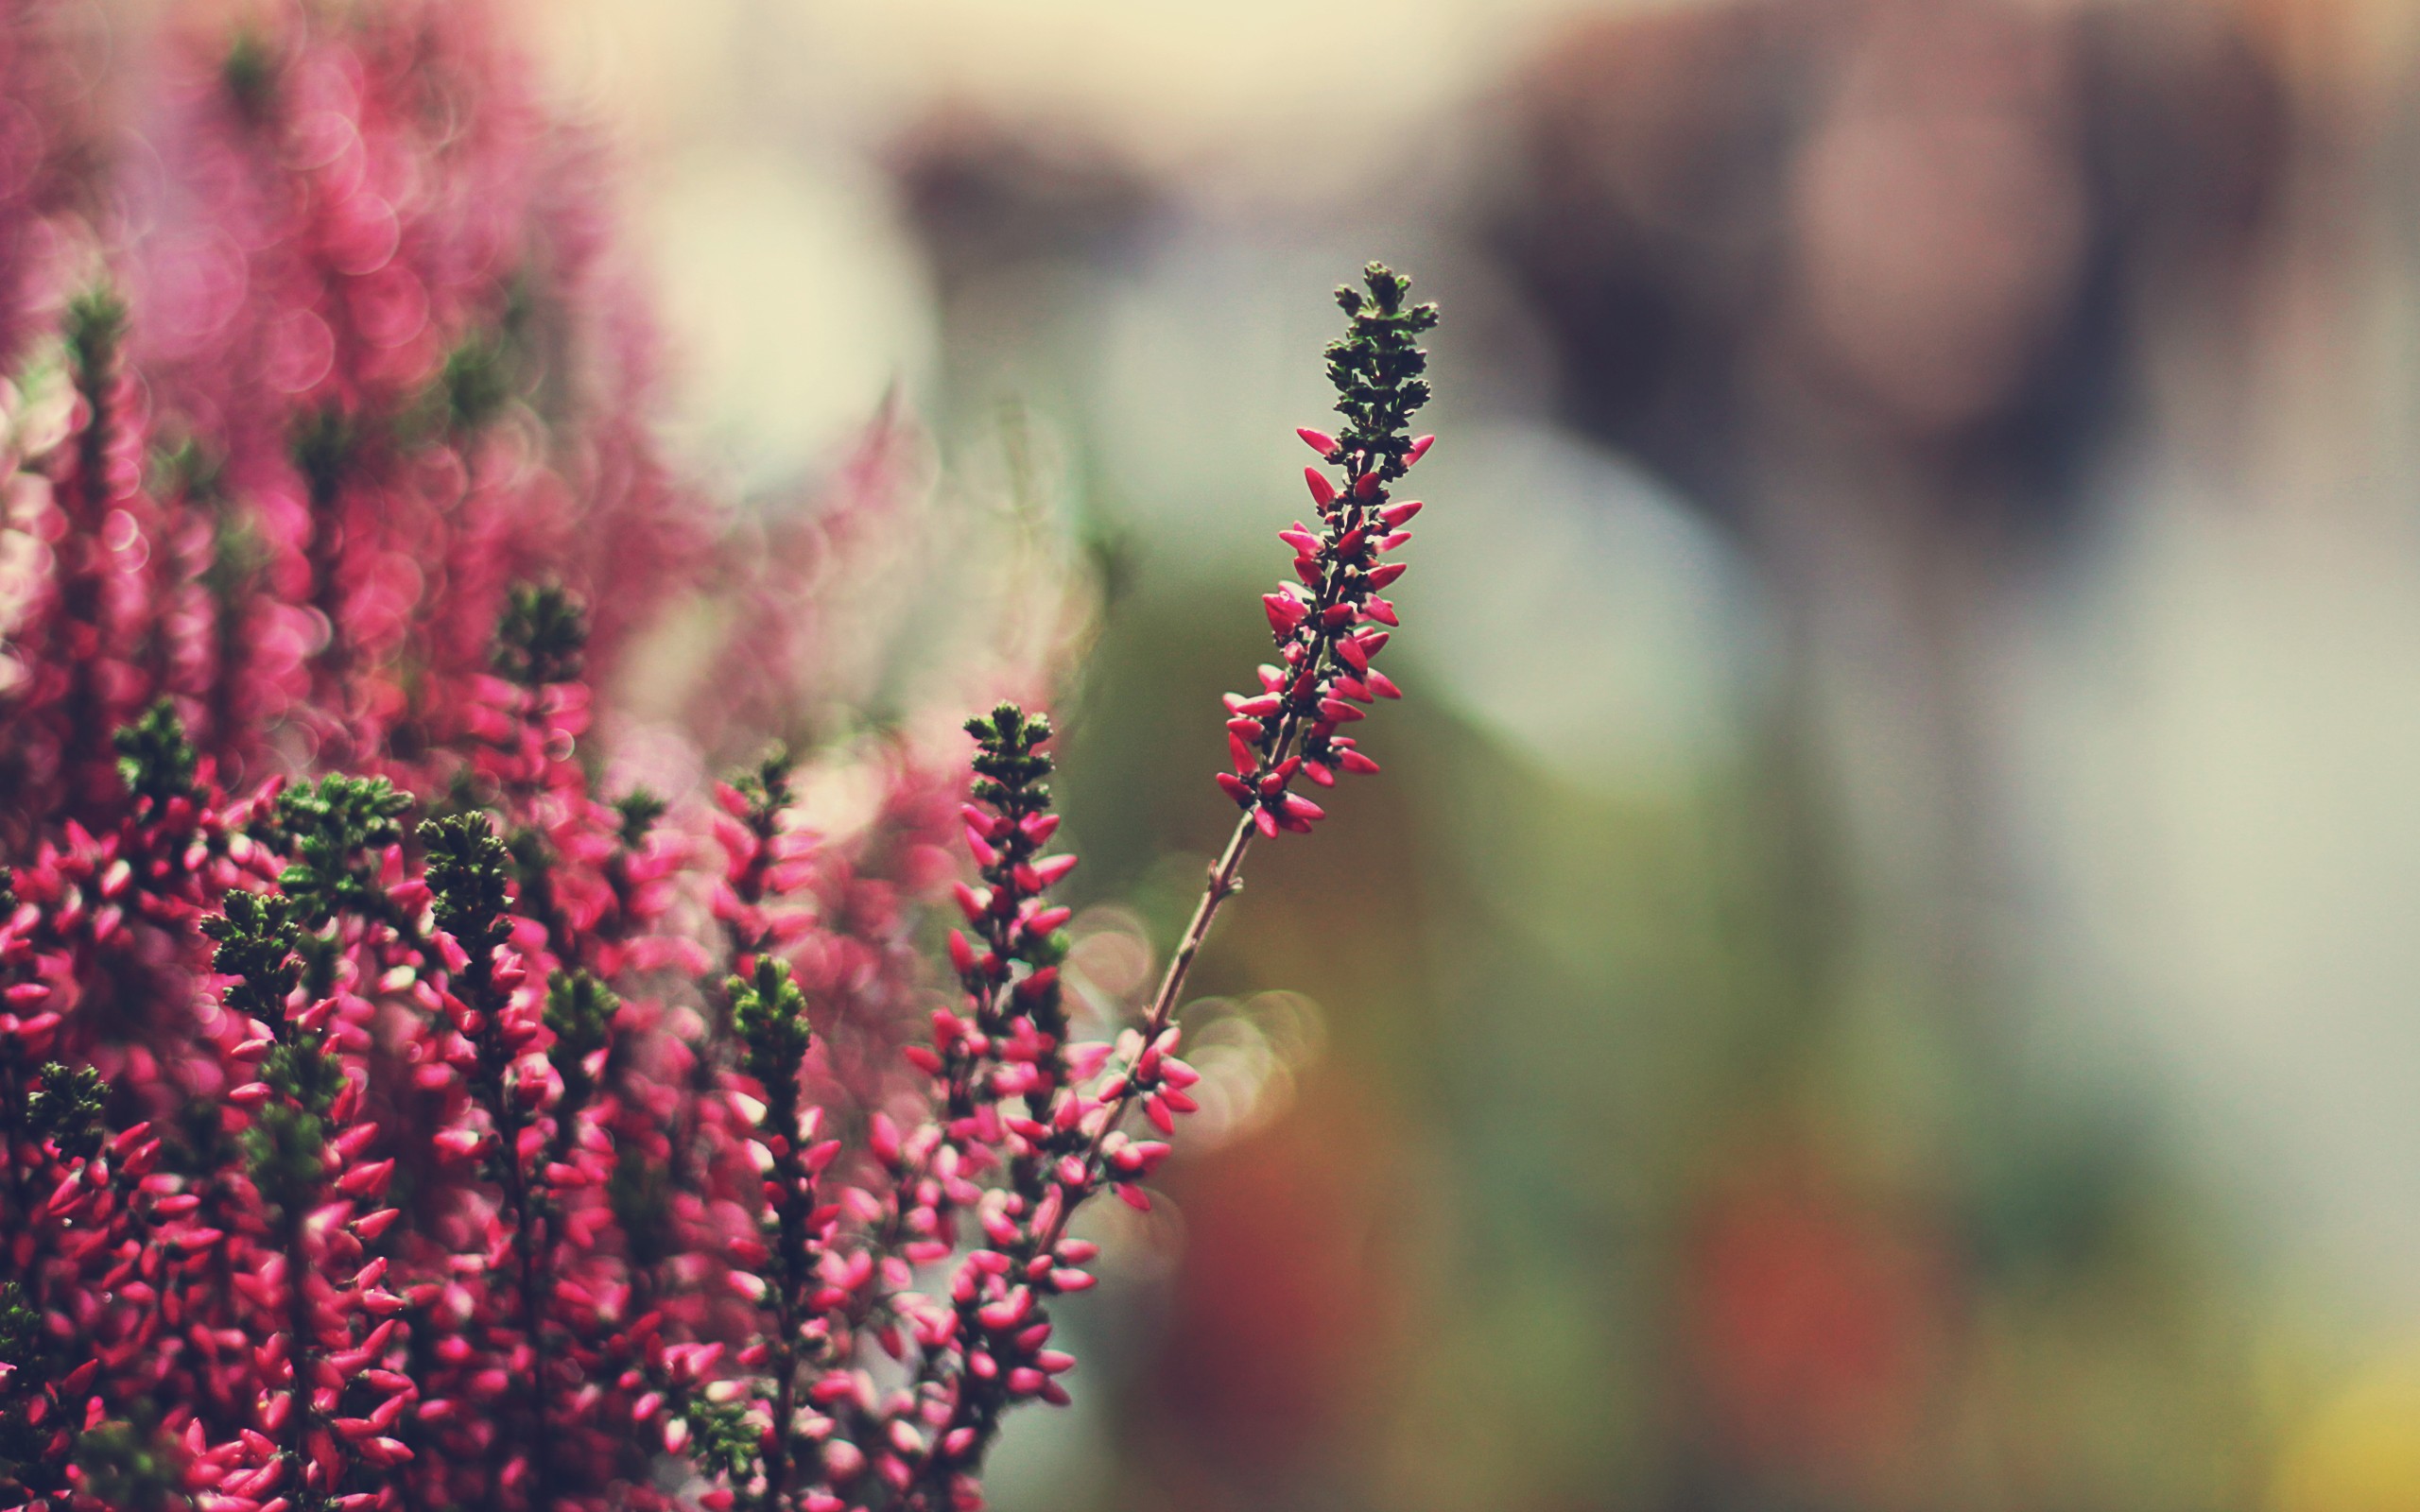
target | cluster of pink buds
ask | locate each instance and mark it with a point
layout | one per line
(1330, 624)
(417, 1126)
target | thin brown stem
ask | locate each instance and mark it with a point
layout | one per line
(1225, 878)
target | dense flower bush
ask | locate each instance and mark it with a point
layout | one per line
(390, 1114)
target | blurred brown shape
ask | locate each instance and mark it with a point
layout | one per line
(988, 196)
(1937, 224)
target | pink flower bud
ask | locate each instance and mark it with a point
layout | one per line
(843, 1460)
(367, 1181)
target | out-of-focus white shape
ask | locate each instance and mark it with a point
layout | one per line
(1575, 604)
(1243, 85)
(1207, 359)
(788, 292)
(2225, 755)
(1061, 1457)
(1251, 1055)
(792, 303)
(1248, 84)
(1108, 969)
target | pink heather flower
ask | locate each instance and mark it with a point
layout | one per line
(1324, 650)
(357, 1162)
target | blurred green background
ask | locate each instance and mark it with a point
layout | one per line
(1884, 969)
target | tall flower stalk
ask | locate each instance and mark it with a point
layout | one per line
(1329, 622)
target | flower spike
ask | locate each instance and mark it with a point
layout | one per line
(1378, 370)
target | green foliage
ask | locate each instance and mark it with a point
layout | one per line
(767, 788)
(723, 1439)
(640, 809)
(95, 330)
(128, 1470)
(250, 73)
(286, 1148)
(541, 637)
(188, 468)
(154, 758)
(468, 869)
(533, 875)
(1010, 766)
(1376, 366)
(256, 934)
(298, 1069)
(768, 1013)
(66, 1110)
(478, 381)
(22, 1350)
(334, 832)
(236, 556)
(579, 1011)
(264, 950)
(1007, 765)
(20, 1338)
(322, 444)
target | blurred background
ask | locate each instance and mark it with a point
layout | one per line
(1884, 971)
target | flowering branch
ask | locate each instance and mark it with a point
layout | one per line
(1324, 624)
(385, 1135)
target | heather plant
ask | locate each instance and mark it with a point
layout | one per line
(396, 1111)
